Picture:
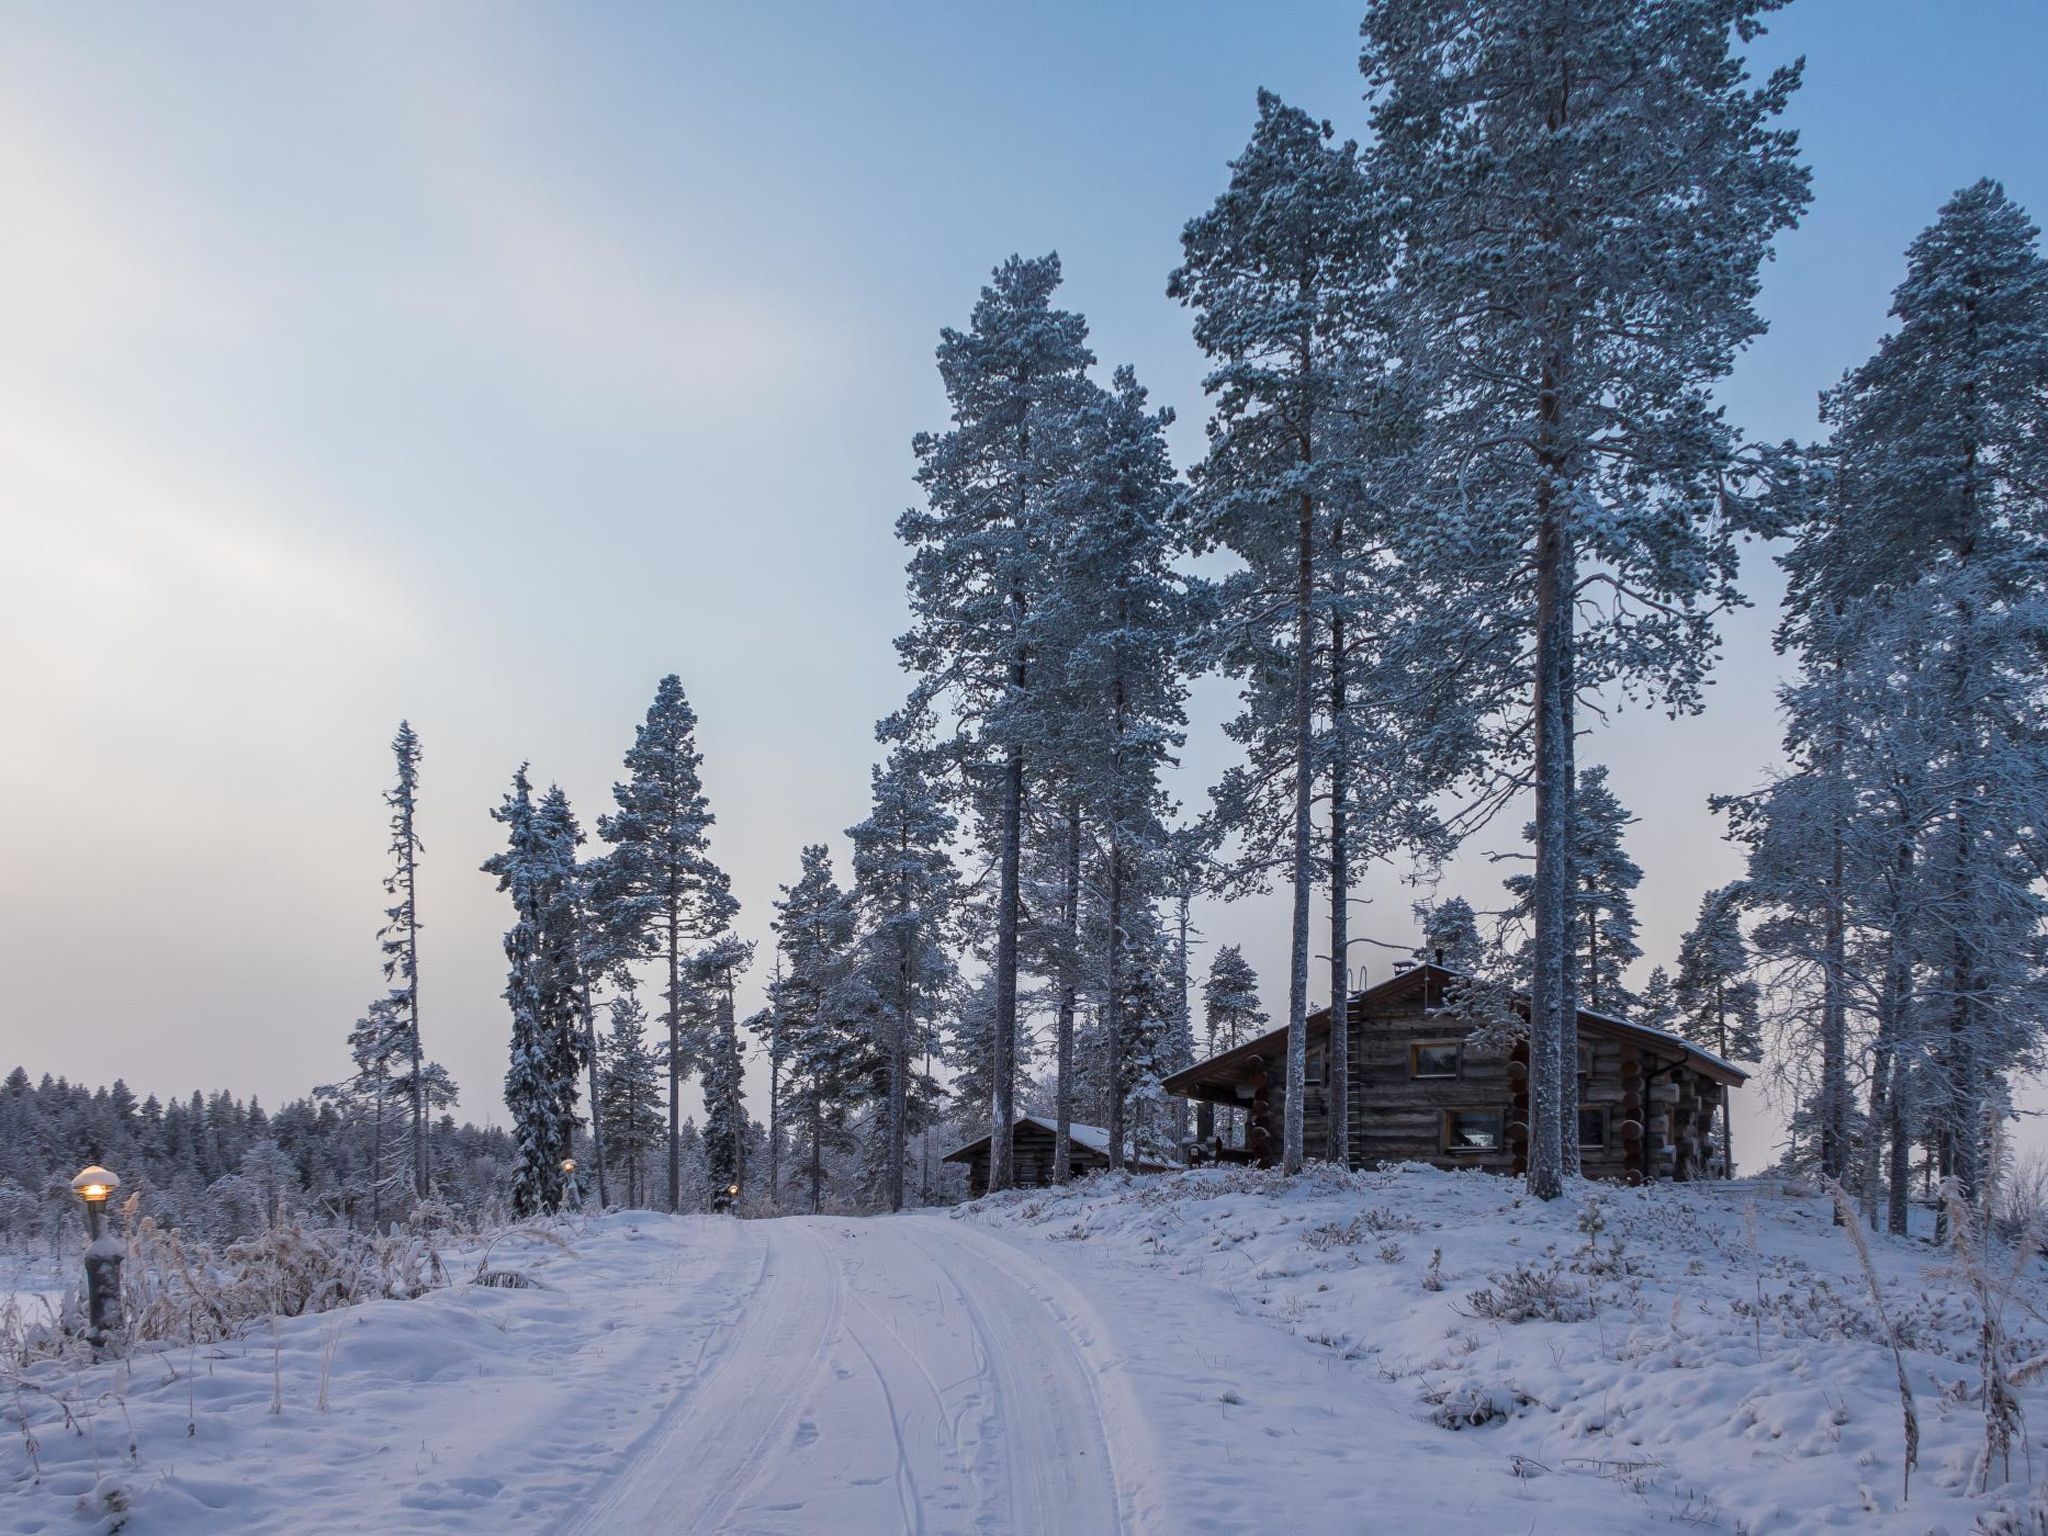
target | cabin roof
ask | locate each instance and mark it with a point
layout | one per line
(1091, 1138)
(1230, 1064)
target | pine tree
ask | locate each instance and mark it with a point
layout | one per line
(1279, 271)
(978, 551)
(1584, 194)
(1450, 935)
(1943, 468)
(904, 892)
(400, 938)
(1114, 624)
(668, 889)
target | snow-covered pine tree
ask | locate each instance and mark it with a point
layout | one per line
(400, 938)
(1113, 628)
(815, 928)
(537, 869)
(713, 974)
(904, 893)
(1604, 879)
(1938, 446)
(1231, 1014)
(1657, 1007)
(978, 554)
(1717, 998)
(630, 1087)
(1280, 271)
(1584, 193)
(661, 869)
(1450, 935)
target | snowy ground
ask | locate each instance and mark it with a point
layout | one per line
(1219, 1352)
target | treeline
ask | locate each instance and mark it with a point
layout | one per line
(219, 1167)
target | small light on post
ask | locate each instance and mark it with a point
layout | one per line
(571, 1195)
(103, 1257)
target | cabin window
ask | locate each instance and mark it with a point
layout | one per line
(1472, 1130)
(1593, 1126)
(1435, 1058)
(1585, 1059)
(1317, 1071)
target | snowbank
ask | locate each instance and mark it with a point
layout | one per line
(473, 1408)
(1700, 1354)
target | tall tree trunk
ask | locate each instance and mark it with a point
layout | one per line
(1304, 798)
(1063, 1026)
(1550, 895)
(1003, 1074)
(817, 1117)
(899, 1042)
(1568, 1016)
(1112, 1000)
(596, 1111)
(422, 1155)
(675, 1062)
(1337, 1098)
(1834, 1007)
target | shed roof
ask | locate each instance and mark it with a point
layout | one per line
(1092, 1138)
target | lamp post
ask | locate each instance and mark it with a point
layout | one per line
(103, 1255)
(571, 1195)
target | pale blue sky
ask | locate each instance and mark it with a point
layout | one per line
(482, 363)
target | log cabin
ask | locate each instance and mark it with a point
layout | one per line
(1031, 1144)
(1423, 1091)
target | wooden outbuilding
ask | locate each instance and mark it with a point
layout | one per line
(1422, 1091)
(1031, 1146)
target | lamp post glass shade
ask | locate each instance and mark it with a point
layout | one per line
(94, 1184)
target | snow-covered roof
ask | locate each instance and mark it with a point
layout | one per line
(1679, 1043)
(1093, 1137)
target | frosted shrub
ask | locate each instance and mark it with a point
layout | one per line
(1531, 1293)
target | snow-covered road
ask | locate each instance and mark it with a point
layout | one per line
(885, 1376)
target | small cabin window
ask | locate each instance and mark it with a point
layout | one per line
(1593, 1126)
(1472, 1130)
(1317, 1069)
(1435, 1058)
(1585, 1059)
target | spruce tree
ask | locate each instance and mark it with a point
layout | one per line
(1231, 1012)
(815, 930)
(714, 971)
(669, 891)
(1584, 193)
(400, 938)
(904, 893)
(1716, 998)
(537, 871)
(630, 1088)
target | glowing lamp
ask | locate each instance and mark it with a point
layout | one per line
(94, 1184)
(568, 1165)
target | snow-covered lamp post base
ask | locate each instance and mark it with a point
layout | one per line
(103, 1255)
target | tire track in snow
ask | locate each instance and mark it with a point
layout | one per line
(699, 1460)
(1044, 1399)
